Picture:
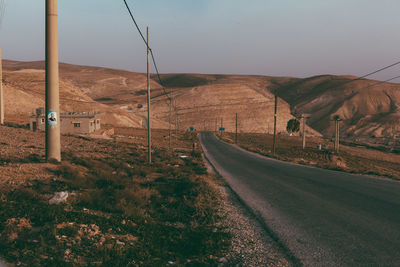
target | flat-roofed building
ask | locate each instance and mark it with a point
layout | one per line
(70, 123)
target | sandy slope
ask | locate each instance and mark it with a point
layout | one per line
(202, 100)
(367, 108)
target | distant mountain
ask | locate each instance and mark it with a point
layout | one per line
(203, 100)
(366, 107)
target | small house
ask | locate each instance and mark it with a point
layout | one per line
(70, 123)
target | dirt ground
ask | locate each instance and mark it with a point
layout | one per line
(170, 213)
(119, 209)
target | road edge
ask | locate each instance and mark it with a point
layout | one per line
(261, 156)
(256, 216)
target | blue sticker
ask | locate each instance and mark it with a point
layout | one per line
(52, 117)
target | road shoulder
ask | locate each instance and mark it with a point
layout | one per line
(251, 243)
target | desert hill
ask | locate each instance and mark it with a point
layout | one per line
(24, 84)
(367, 108)
(205, 101)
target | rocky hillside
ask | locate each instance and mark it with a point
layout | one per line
(24, 88)
(207, 101)
(367, 108)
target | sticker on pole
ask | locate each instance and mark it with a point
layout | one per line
(52, 117)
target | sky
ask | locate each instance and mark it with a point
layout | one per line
(298, 38)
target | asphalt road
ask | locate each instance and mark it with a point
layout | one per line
(323, 217)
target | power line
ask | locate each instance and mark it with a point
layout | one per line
(379, 82)
(366, 75)
(151, 50)
(382, 69)
(137, 26)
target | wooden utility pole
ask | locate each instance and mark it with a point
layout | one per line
(222, 123)
(53, 144)
(335, 143)
(148, 99)
(304, 132)
(275, 115)
(236, 129)
(304, 119)
(338, 136)
(1, 91)
(337, 133)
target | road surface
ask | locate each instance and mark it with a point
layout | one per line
(323, 217)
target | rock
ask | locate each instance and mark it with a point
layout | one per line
(59, 197)
(223, 260)
(120, 243)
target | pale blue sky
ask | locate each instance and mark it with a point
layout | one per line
(269, 37)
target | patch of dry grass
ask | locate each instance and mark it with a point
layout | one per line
(120, 211)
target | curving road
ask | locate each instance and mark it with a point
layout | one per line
(323, 217)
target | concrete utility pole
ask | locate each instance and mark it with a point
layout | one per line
(1, 91)
(236, 129)
(275, 115)
(53, 144)
(148, 99)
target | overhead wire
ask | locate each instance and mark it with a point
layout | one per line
(151, 50)
(365, 76)
(382, 69)
(379, 82)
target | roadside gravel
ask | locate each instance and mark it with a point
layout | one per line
(251, 244)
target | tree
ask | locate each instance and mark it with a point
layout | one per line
(293, 126)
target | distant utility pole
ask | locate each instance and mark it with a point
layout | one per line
(1, 91)
(337, 133)
(236, 129)
(53, 144)
(148, 97)
(216, 125)
(275, 115)
(222, 125)
(176, 121)
(304, 119)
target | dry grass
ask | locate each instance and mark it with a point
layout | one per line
(121, 211)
